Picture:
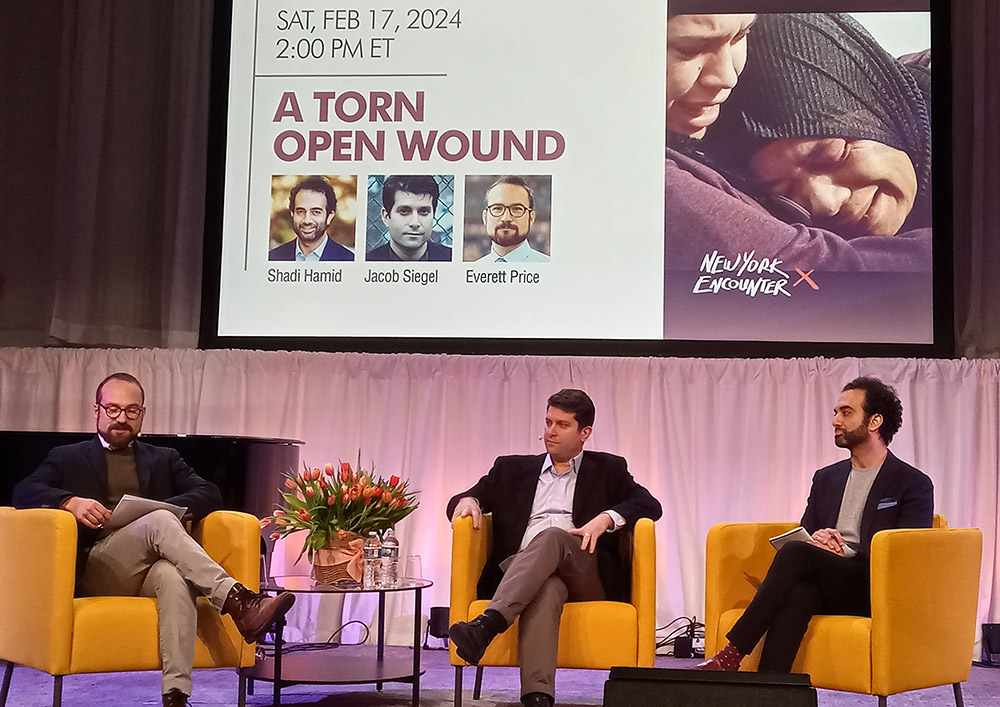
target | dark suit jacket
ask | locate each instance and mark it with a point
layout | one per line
(435, 252)
(901, 497)
(81, 470)
(333, 251)
(603, 483)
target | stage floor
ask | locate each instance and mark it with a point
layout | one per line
(30, 688)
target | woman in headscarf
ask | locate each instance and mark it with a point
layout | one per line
(829, 128)
(709, 208)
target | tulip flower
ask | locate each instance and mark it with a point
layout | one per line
(393, 480)
(289, 484)
(330, 501)
(279, 512)
(345, 475)
(328, 468)
(310, 493)
(275, 536)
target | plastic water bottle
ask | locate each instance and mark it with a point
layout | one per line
(390, 559)
(373, 562)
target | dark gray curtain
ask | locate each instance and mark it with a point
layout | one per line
(109, 249)
(102, 166)
(976, 159)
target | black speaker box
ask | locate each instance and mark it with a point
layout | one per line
(439, 621)
(661, 687)
(991, 645)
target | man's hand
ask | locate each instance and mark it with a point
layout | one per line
(88, 511)
(595, 528)
(468, 506)
(829, 539)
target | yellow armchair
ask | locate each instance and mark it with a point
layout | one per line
(628, 630)
(924, 590)
(45, 627)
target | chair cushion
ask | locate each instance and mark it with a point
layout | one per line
(583, 633)
(836, 651)
(121, 634)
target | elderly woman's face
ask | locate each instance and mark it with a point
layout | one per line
(852, 187)
(705, 55)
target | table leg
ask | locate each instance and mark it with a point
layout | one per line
(381, 634)
(279, 641)
(416, 647)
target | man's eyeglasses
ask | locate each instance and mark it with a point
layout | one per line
(132, 412)
(516, 210)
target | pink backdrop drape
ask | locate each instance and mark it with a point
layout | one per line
(714, 440)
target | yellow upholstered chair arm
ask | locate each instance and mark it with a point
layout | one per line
(37, 581)
(469, 548)
(232, 539)
(644, 588)
(924, 591)
(737, 557)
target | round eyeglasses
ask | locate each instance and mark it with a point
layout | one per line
(132, 412)
(516, 210)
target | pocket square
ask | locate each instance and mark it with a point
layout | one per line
(886, 503)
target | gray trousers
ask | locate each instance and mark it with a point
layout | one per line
(155, 557)
(546, 574)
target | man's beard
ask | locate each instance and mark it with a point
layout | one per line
(849, 439)
(507, 233)
(119, 437)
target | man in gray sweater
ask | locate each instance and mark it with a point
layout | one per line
(848, 503)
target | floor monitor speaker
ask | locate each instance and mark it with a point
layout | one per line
(661, 687)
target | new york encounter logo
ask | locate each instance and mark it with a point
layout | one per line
(748, 274)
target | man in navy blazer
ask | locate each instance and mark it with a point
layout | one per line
(313, 205)
(153, 555)
(848, 503)
(555, 516)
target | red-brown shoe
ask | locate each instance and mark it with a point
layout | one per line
(727, 659)
(254, 613)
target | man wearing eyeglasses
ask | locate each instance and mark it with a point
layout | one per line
(508, 215)
(152, 556)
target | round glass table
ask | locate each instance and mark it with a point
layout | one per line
(336, 664)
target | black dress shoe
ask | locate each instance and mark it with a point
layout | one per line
(537, 699)
(471, 638)
(175, 698)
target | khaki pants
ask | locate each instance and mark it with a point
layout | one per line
(546, 574)
(155, 557)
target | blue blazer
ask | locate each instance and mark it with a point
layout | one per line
(901, 497)
(81, 469)
(333, 251)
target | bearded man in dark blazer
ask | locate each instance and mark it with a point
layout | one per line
(848, 503)
(555, 516)
(153, 555)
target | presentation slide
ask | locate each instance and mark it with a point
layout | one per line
(576, 170)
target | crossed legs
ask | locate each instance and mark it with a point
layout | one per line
(154, 556)
(550, 571)
(802, 581)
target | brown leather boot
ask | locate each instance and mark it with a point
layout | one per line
(175, 698)
(254, 613)
(728, 659)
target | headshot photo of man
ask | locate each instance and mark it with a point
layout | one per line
(310, 217)
(514, 213)
(407, 227)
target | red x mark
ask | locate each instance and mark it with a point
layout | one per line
(805, 276)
